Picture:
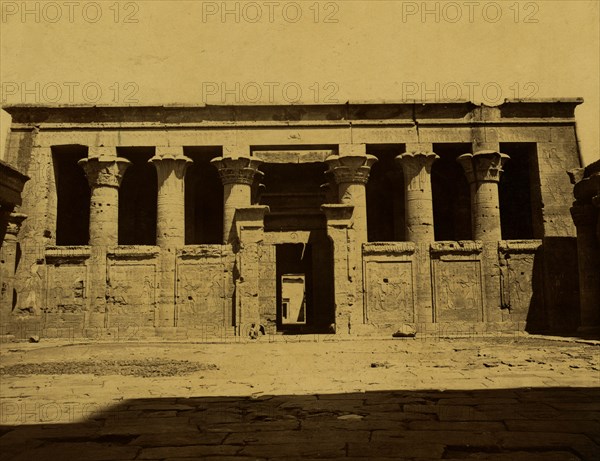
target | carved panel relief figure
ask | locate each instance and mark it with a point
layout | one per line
(30, 299)
(389, 289)
(66, 289)
(521, 290)
(131, 293)
(458, 291)
(200, 291)
(187, 291)
(117, 295)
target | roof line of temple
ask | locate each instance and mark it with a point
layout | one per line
(575, 101)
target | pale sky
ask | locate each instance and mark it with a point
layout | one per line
(168, 52)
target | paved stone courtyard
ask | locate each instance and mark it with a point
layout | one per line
(311, 397)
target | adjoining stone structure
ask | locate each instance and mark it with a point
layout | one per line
(209, 254)
(12, 182)
(11, 185)
(586, 216)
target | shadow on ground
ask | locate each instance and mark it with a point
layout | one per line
(505, 424)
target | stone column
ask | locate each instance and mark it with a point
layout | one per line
(249, 228)
(585, 218)
(8, 256)
(351, 173)
(170, 164)
(104, 174)
(416, 167)
(238, 177)
(348, 315)
(483, 170)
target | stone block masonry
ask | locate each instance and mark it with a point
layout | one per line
(254, 175)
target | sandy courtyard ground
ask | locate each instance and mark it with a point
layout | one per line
(311, 397)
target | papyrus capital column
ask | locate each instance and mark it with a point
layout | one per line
(104, 174)
(351, 173)
(238, 177)
(483, 170)
(170, 164)
(416, 167)
(15, 221)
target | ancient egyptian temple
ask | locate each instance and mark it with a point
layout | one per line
(353, 219)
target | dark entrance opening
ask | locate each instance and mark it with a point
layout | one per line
(203, 197)
(385, 195)
(520, 204)
(304, 295)
(72, 194)
(137, 198)
(451, 193)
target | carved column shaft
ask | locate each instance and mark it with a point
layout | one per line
(104, 172)
(585, 218)
(8, 254)
(238, 177)
(351, 173)
(104, 175)
(170, 164)
(416, 167)
(483, 170)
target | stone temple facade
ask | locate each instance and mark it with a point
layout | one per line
(353, 219)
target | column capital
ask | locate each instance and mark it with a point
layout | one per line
(15, 220)
(416, 167)
(483, 166)
(239, 170)
(170, 159)
(584, 215)
(413, 162)
(104, 171)
(351, 169)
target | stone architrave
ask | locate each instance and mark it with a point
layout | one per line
(238, 176)
(104, 175)
(170, 164)
(351, 173)
(416, 167)
(483, 170)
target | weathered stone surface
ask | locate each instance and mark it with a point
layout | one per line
(228, 287)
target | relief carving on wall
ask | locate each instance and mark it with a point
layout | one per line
(516, 259)
(458, 291)
(389, 292)
(66, 292)
(131, 291)
(200, 292)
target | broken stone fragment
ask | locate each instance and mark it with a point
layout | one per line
(380, 365)
(405, 331)
(34, 339)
